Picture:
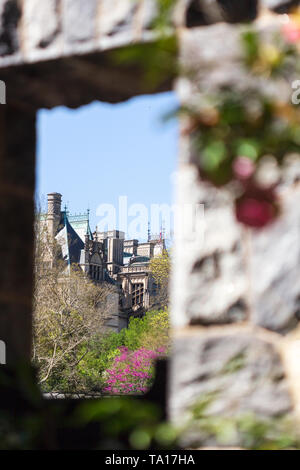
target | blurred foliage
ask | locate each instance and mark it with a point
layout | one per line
(163, 19)
(273, 57)
(244, 430)
(241, 137)
(127, 423)
(157, 57)
(235, 364)
(249, 125)
(29, 422)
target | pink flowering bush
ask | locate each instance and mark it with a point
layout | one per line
(131, 371)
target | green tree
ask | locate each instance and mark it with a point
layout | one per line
(150, 332)
(160, 268)
(70, 311)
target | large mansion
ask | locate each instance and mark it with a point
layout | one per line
(106, 257)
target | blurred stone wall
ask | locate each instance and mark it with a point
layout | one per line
(235, 291)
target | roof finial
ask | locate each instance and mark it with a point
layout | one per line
(86, 240)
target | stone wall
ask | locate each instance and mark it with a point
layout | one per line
(235, 293)
(57, 52)
(17, 164)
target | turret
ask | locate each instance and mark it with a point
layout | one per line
(54, 211)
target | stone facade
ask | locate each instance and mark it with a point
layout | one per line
(104, 257)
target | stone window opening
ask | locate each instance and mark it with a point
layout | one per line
(94, 271)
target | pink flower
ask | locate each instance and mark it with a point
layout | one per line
(243, 168)
(132, 372)
(291, 32)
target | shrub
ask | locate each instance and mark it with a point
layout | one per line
(132, 371)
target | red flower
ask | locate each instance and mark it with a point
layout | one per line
(257, 207)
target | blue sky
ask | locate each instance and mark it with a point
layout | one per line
(101, 151)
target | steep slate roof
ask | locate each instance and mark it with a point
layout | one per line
(70, 242)
(81, 224)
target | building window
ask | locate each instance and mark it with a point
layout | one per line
(155, 287)
(137, 294)
(94, 274)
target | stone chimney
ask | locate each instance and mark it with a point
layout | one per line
(54, 210)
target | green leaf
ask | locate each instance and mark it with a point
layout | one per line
(213, 154)
(250, 43)
(248, 148)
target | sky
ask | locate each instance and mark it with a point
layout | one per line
(98, 153)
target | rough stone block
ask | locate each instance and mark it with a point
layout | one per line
(149, 12)
(210, 287)
(217, 293)
(275, 268)
(237, 371)
(79, 18)
(279, 6)
(291, 356)
(235, 11)
(10, 14)
(218, 287)
(116, 16)
(200, 12)
(41, 22)
(214, 67)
